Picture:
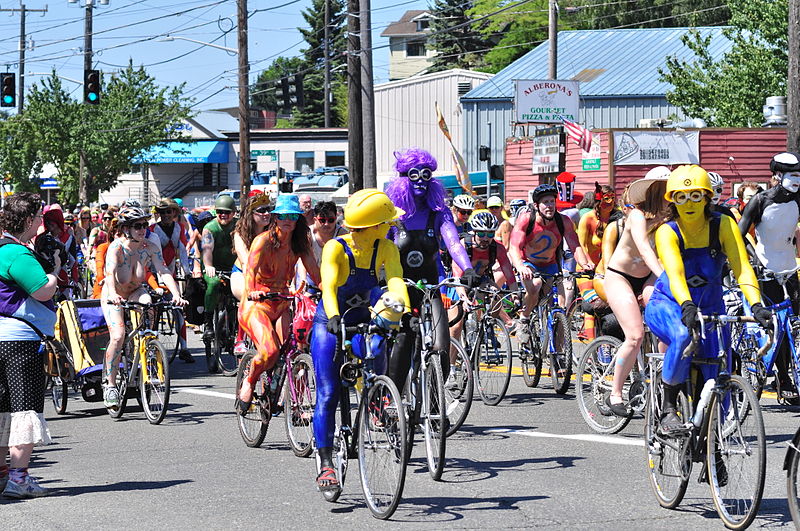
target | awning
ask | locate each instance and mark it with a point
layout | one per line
(200, 152)
(477, 178)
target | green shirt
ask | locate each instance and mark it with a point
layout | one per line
(18, 265)
(223, 257)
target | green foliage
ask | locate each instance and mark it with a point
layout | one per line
(731, 91)
(650, 13)
(19, 160)
(266, 91)
(134, 114)
(459, 48)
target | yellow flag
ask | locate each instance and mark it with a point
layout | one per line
(460, 166)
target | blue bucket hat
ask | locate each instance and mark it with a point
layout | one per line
(287, 204)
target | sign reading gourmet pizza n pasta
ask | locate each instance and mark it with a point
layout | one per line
(656, 148)
(545, 101)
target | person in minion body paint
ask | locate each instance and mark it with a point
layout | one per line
(350, 268)
(693, 246)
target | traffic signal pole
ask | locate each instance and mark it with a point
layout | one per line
(22, 10)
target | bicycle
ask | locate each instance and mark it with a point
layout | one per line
(594, 379)
(790, 465)
(219, 350)
(488, 344)
(714, 433)
(459, 389)
(299, 393)
(380, 441)
(143, 362)
(548, 326)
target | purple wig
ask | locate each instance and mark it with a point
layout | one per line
(399, 189)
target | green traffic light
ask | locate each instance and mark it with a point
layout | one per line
(8, 99)
(92, 96)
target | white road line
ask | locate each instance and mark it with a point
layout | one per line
(204, 392)
(606, 439)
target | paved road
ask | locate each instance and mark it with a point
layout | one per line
(529, 462)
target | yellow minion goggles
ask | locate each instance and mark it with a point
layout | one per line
(681, 197)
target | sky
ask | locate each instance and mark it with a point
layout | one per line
(135, 30)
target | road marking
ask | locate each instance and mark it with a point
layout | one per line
(204, 392)
(606, 439)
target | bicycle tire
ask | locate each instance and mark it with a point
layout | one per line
(667, 459)
(167, 333)
(300, 397)
(122, 380)
(435, 423)
(561, 357)
(253, 425)
(58, 393)
(460, 392)
(227, 362)
(575, 317)
(211, 359)
(742, 441)
(154, 394)
(791, 463)
(381, 445)
(593, 381)
(492, 361)
(530, 356)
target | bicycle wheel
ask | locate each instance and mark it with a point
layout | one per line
(790, 464)
(58, 393)
(381, 447)
(575, 318)
(561, 356)
(154, 388)
(435, 422)
(736, 454)
(122, 380)
(300, 396)
(593, 384)
(669, 461)
(492, 361)
(226, 360)
(458, 389)
(167, 333)
(530, 356)
(253, 425)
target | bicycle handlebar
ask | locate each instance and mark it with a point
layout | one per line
(133, 305)
(723, 319)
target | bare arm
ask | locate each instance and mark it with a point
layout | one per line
(639, 233)
(207, 243)
(157, 260)
(572, 241)
(113, 261)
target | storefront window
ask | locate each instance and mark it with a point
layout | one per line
(334, 158)
(304, 161)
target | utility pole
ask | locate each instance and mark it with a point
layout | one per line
(327, 52)
(354, 126)
(83, 192)
(793, 82)
(244, 101)
(552, 71)
(370, 174)
(22, 10)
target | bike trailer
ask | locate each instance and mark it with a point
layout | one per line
(82, 328)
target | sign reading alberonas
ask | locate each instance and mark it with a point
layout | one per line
(656, 148)
(545, 101)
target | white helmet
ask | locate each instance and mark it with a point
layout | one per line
(464, 202)
(717, 184)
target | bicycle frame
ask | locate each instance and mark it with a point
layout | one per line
(545, 310)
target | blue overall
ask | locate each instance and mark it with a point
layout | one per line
(361, 287)
(703, 269)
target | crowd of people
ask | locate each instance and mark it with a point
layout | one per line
(666, 246)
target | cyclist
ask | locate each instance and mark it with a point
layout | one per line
(127, 261)
(693, 246)
(170, 237)
(217, 245)
(351, 266)
(270, 268)
(425, 217)
(463, 205)
(718, 185)
(535, 243)
(774, 214)
(55, 226)
(506, 225)
(630, 272)
(495, 205)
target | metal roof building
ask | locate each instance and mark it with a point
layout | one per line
(618, 71)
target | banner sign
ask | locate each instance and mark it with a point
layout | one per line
(590, 160)
(656, 148)
(545, 101)
(546, 153)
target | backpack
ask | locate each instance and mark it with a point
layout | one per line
(195, 293)
(468, 246)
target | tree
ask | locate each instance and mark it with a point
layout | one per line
(20, 163)
(650, 14)
(265, 93)
(462, 47)
(731, 91)
(134, 114)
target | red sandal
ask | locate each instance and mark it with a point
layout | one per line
(328, 474)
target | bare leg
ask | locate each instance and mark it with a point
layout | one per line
(626, 309)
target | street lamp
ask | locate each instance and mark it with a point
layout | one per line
(170, 38)
(57, 75)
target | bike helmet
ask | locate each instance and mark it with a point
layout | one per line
(717, 184)
(785, 162)
(516, 205)
(688, 177)
(464, 202)
(543, 190)
(130, 202)
(369, 207)
(128, 215)
(483, 221)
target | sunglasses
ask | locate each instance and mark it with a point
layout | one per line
(287, 217)
(262, 210)
(680, 198)
(224, 213)
(326, 220)
(482, 234)
(415, 174)
(85, 219)
(139, 226)
(464, 212)
(107, 219)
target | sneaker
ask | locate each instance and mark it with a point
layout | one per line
(111, 398)
(239, 349)
(208, 333)
(522, 330)
(671, 423)
(29, 488)
(184, 355)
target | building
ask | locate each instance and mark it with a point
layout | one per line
(619, 82)
(405, 116)
(408, 52)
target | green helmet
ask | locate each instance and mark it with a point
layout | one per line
(225, 202)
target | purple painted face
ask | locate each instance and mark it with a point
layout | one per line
(419, 178)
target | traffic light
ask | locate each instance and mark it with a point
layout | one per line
(484, 153)
(292, 92)
(297, 93)
(91, 86)
(8, 90)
